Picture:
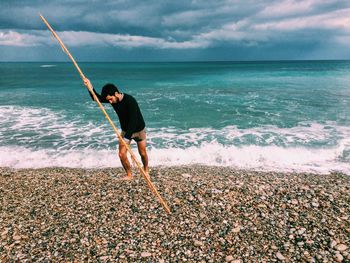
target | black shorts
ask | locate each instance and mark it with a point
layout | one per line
(137, 136)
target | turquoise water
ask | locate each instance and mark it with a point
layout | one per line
(254, 115)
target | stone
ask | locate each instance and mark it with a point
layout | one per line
(236, 229)
(315, 204)
(4, 234)
(187, 176)
(309, 242)
(198, 243)
(21, 256)
(294, 201)
(16, 238)
(333, 243)
(229, 258)
(286, 246)
(341, 247)
(280, 256)
(64, 213)
(145, 254)
(338, 257)
(301, 231)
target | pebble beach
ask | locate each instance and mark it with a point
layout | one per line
(218, 215)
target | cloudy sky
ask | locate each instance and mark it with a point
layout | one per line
(181, 30)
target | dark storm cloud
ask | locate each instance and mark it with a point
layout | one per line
(288, 27)
(149, 18)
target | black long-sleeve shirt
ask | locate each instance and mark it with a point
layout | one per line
(129, 113)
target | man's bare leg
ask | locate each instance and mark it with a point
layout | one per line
(125, 162)
(141, 146)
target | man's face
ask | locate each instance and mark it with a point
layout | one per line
(112, 99)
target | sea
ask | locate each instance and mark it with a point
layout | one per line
(283, 116)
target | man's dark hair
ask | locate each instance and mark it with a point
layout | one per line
(109, 89)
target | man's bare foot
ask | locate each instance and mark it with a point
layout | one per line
(128, 178)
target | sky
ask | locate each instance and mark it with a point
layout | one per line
(181, 30)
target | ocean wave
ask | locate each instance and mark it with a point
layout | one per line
(268, 158)
(42, 127)
(39, 137)
(47, 66)
(307, 134)
(46, 128)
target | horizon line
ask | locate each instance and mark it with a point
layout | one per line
(173, 61)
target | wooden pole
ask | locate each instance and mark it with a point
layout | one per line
(90, 88)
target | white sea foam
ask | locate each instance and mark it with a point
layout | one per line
(21, 157)
(271, 158)
(47, 66)
(46, 138)
(268, 158)
(41, 127)
(304, 135)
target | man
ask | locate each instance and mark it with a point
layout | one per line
(131, 122)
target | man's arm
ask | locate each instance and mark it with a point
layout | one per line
(87, 83)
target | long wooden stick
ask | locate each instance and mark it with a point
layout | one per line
(90, 88)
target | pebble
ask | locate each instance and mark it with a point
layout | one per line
(145, 254)
(248, 216)
(333, 243)
(315, 204)
(4, 234)
(294, 202)
(229, 258)
(16, 238)
(198, 243)
(301, 231)
(187, 176)
(236, 229)
(341, 247)
(280, 256)
(338, 257)
(309, 242)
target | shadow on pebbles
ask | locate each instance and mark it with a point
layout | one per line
(218, 215)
